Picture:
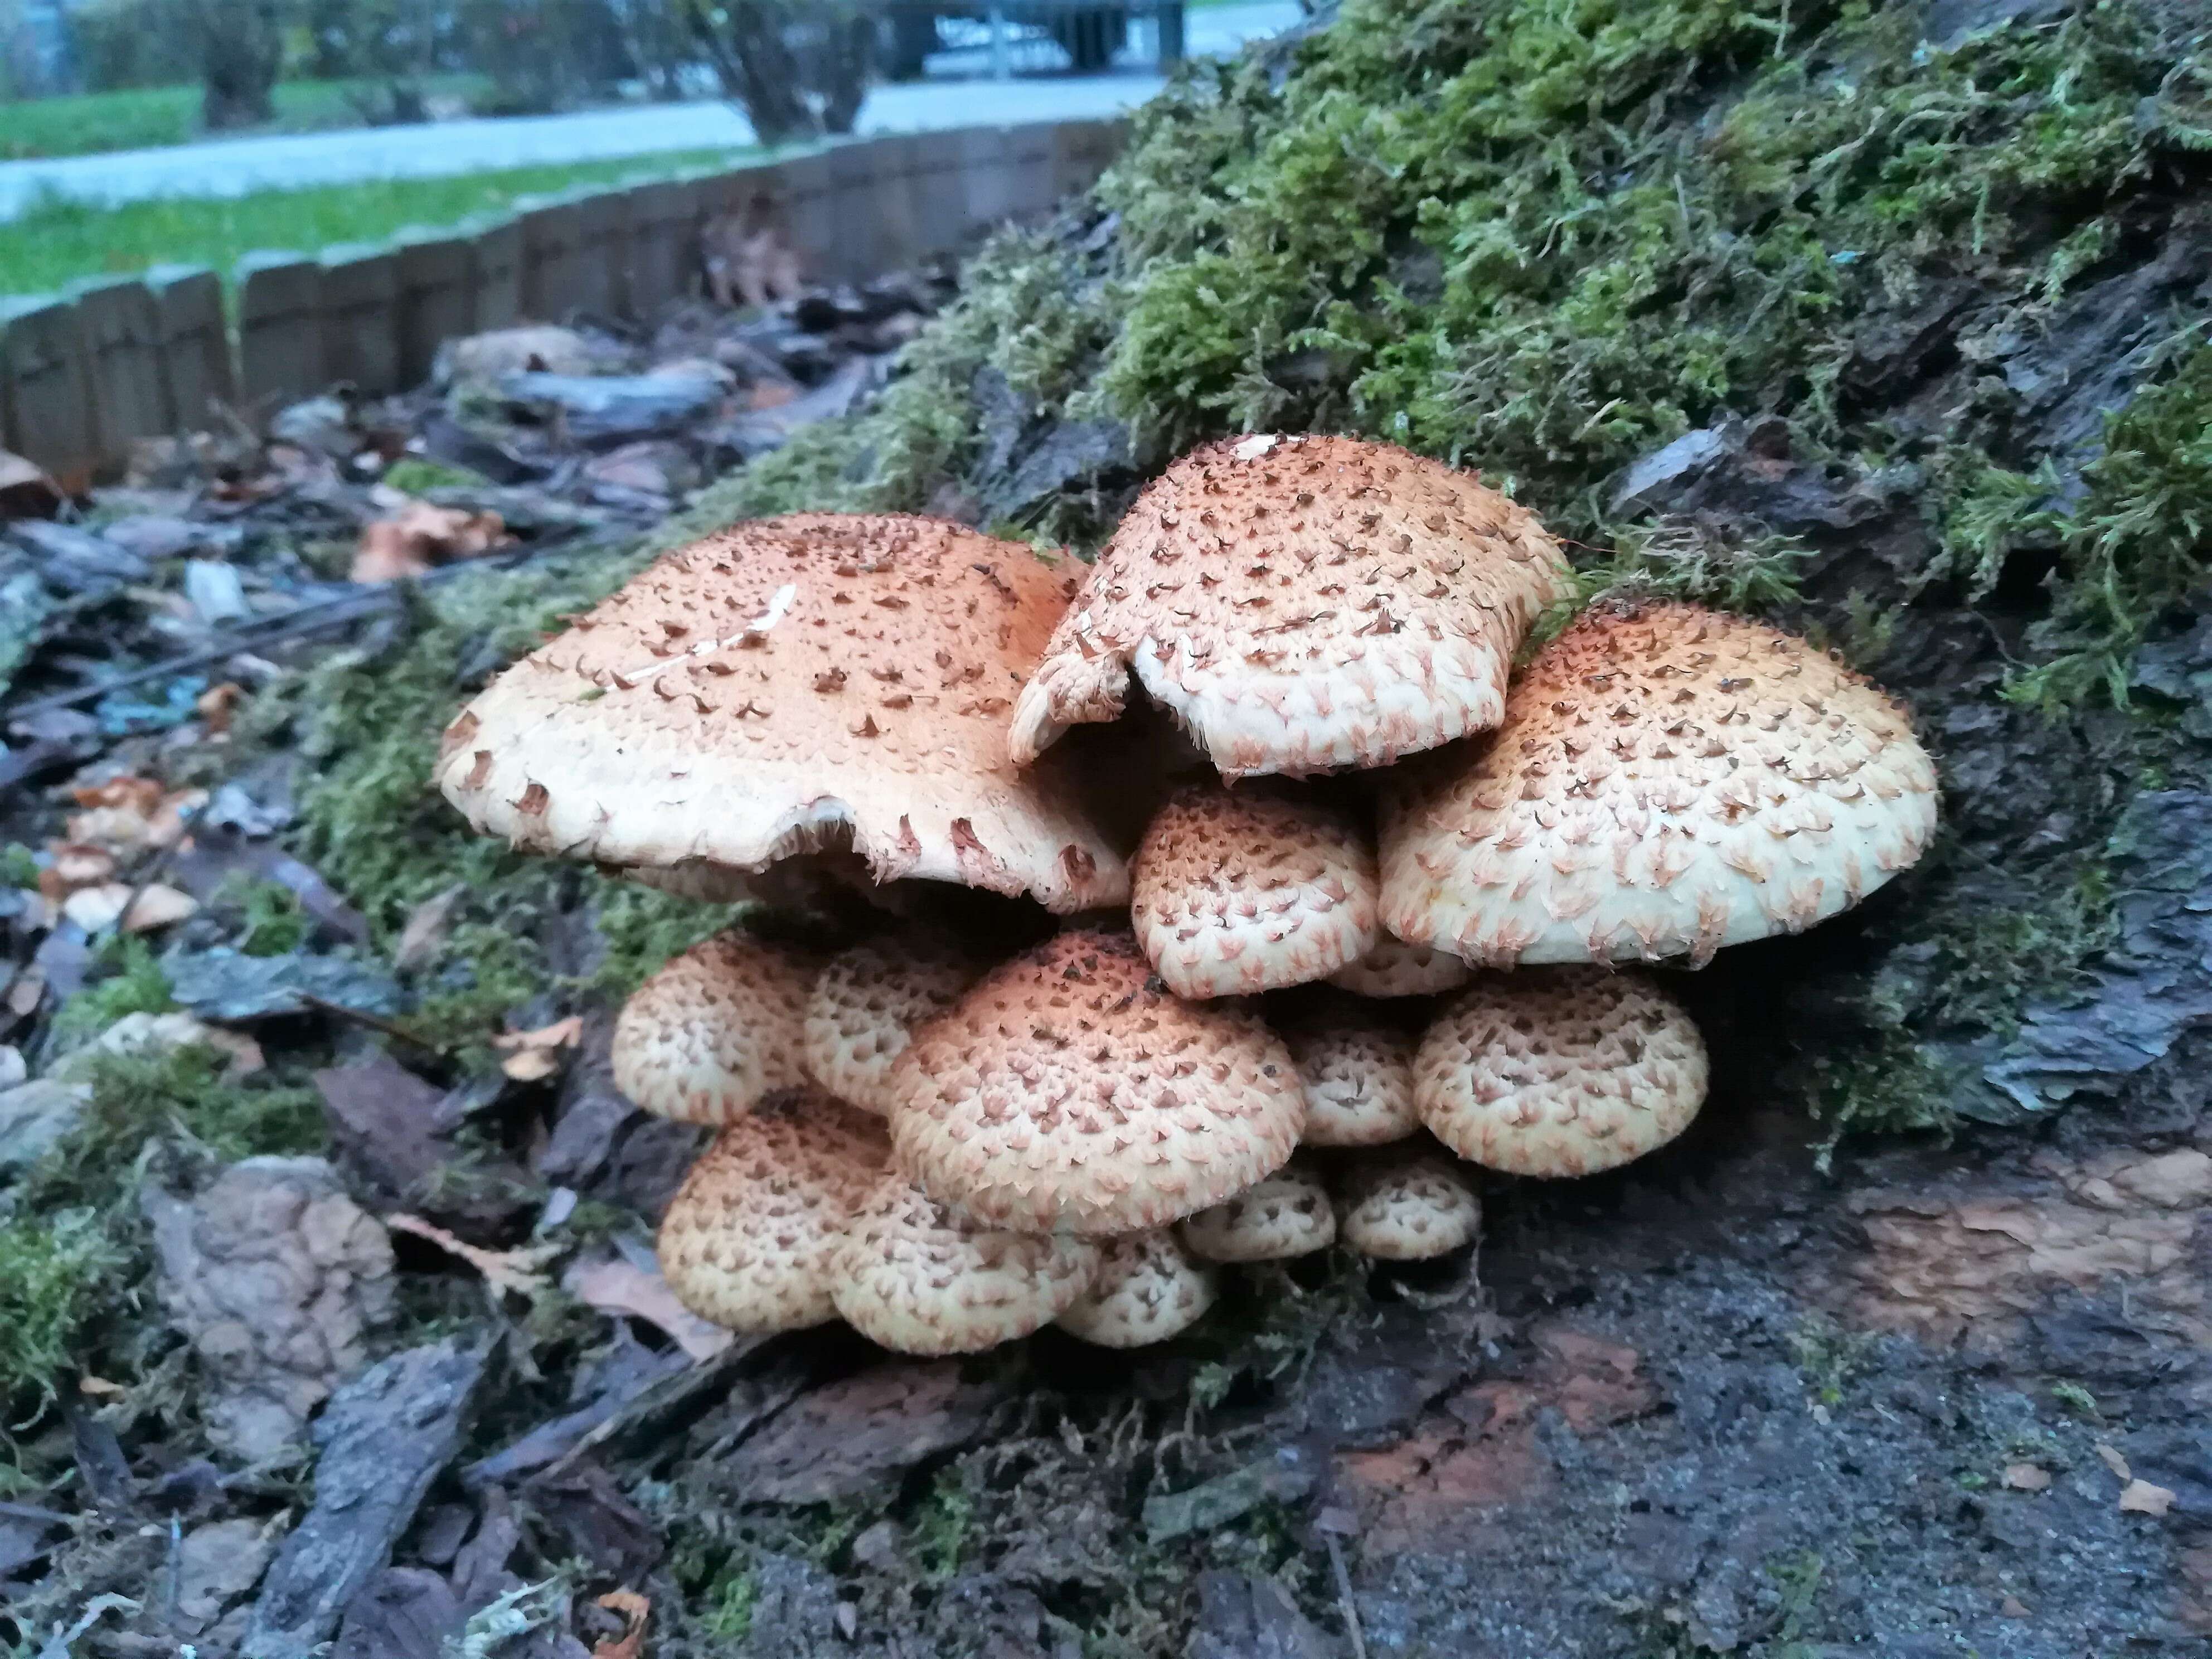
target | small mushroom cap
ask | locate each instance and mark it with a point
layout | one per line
(1395, 968)
(748, 1237)
(1069, 1093)
(865, 1006)
(917, 1277)
(1559, 1073)
(1302, 604)
(1407, 1203)
(717, 1030)
(1358, 1069)
(1148, 1288)
(1286, 1215)
(788, 686)
(1669, 781)
(1247, 890)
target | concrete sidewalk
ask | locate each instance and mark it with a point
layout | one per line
(238, 167)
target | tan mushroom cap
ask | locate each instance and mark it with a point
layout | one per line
(1395, 968)
(1560, 1072)
(918, 1277)
(1069, 1093)
(716, 1030)
(1407, 1203)
(786, 687)
(1669, 781)
(1358, 1069)
(864, 1008)
(1246, 889)
(1148, 1288)
(749, 1238)
(1286, 1215)
(1302, 604)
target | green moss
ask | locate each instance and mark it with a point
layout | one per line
(416, 476)
(133, 983)
(270, 919)
(54, 1268)
(642, 928)
(19, 866)
(942, 1530)
(728, 1615)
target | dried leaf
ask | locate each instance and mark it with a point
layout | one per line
(616, 1286)
(2114, 1461)
(515, 1270)
(125, 815)
(2142, 1497)
(217, 705)
(426, 928)
(638, 1612)
(99, 1387)
(420, 536)
(2026, 1477)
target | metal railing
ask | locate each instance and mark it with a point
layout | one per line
(998, 40)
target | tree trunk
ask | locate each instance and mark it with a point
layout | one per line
(242, 49)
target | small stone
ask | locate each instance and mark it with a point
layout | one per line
(2026, 1477)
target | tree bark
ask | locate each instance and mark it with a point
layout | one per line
(242, 49)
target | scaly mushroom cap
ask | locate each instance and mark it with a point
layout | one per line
(716, 1030)
(1407, 1203)
(918, 1277)
(1286, 1215)
(1395, 968)
(1148, 1288)
(1359, 1073)
(1246, 889)
(865, 1006)
(1668, 780)
(1559, 1073)
(785, 687)
(749, 1238)
(1302, 604)
(1069, 1093)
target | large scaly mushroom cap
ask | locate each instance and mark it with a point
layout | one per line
(716, 1030)
(1286, 1215)
(1069, 1093)
(1148, 1288)
(748, 1239)
(1246, 889)
(1669, 781)
(1407, 1203)
(864, 1008)
(790, 686)
(1395, 968)
(1560, 1072)
(1302, 604)
(918, 1277)
(1358, 1070)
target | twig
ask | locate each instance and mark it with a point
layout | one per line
(1344, 1601)
(376, 1022)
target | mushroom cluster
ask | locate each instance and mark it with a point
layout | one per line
(1381, 922)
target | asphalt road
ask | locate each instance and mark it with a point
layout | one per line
(236, 167)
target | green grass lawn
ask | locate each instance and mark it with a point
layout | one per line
(147, 117)
(62, 240)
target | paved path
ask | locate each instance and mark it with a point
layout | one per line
(234, 166)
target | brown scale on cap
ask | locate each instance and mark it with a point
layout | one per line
(1286, 1215)
(866, 1005)
(1302, 604)
(917, 1278)
(1560, 1073)
(748, 1239)
(1358, 1069)
(1406, 1203)
(1395, 968)
(1669, 781)
(786, 687)
(1239, 891)
(1148, 1288)
(716, 1030)
(1069, 1093)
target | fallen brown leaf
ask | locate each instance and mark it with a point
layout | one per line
(420, 536)
(2114, 1461)
(615, 1286)
(638, 1612)
(2142, 1497)
(515, 1270)
(426, 928)
(217, 706)
(2026, 1477)
(99, 1387)
(94, 909)
(126, 814)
